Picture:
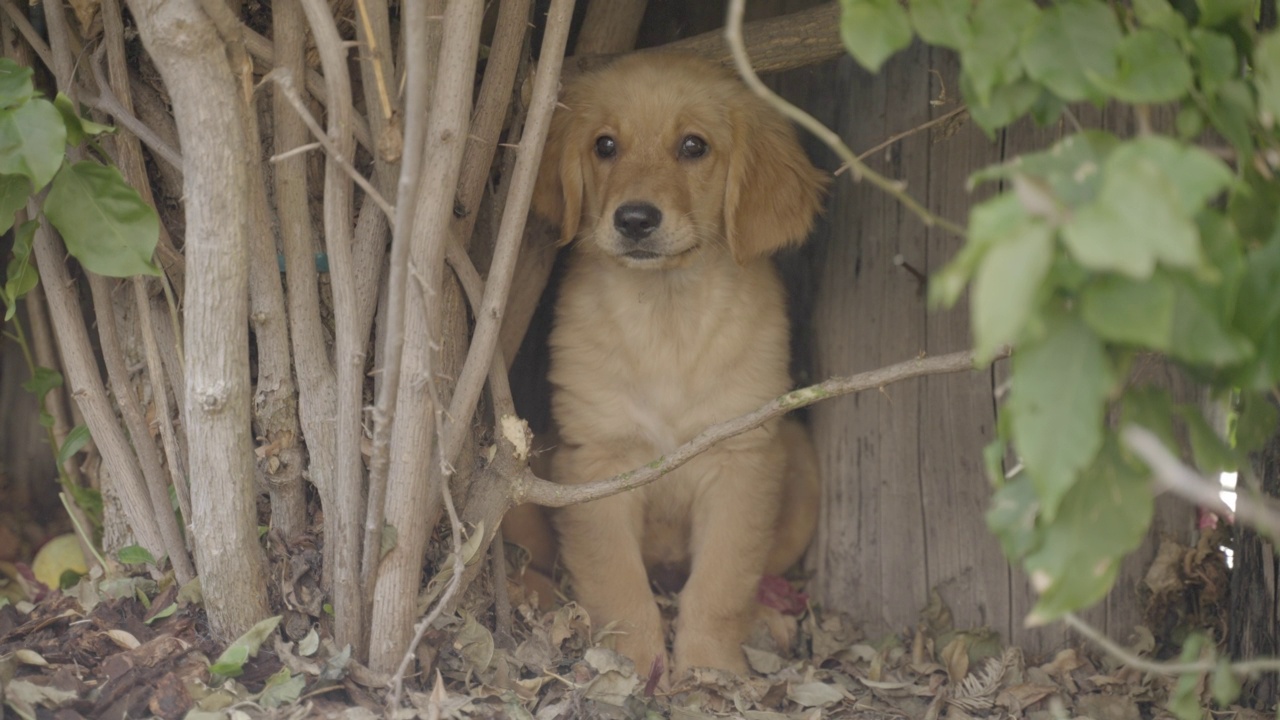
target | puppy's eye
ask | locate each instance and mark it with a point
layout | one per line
(693, 146)
(606, 147)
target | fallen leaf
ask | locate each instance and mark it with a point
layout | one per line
(763, 661)
(814, 694)
(123, 639)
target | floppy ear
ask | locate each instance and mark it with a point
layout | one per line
(558, 193)
(773, 192)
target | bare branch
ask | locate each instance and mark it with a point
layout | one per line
(262, 50)
(148, 454)
(29, 33)
(491, 109)
(940, 120)
(1173, 476)
(733, 35)
(530, 488)
(455, 582)
(284, 81)
(348, 349)
(417, 64)
(1135, 661)
(409, 499)
(489, 317)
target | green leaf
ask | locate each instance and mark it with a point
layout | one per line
(20, 275)
(105, 223)
(942, 22)
(1060, 385)
(1102, 518)
(991, 222)
(1071, 168)
(1266, 68)
(993, 461)
(1126, 311)
(1070, 42)
(1136, 220)
(1256, 423)
(1200, 334)
(872, 30)
(990, 59)
(42, 381)
(1184, 701)
(231, 662)
(282, 688)
(32, 137)
(15, 84)
(1159, 15)
(1152, 68)
(1224, 685)
(76, 440)
(1195, 174)
(1233, 115)
(1218, 12)
(136, 555)
(163, 613)
(1005, 288)
(1002, 104)
(1211, 452)
(89, 500)
(390, 536)
(1012, 517)
(14, 191)
(1215, 59)
(1150, 408)
(78, 128)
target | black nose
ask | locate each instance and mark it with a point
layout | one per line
(637, 220)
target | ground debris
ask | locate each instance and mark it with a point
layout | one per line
(148, 653)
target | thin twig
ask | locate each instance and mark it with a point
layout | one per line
(384, 99)
(107, 102)
(905, 134)
(459, 567)
(284, 80)
(29, 33)
(1129, 658)
(530, 488)
(1186, 483)
(733, 34)
(502, 635)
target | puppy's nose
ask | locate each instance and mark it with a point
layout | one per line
(637, 220)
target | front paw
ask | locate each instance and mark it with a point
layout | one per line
(648, 652)
(699, 650)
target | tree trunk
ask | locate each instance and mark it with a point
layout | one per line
(193, 62)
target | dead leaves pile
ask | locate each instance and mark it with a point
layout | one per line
(128, 647)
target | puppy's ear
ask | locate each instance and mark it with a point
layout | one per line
(773, 192)
(558, 193)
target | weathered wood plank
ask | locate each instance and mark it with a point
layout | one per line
(957, 417)
(871, 536)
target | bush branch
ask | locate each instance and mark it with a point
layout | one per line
(1137, 662)
(530, 488)
(1171, 475)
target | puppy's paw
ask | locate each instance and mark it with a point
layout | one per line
(720, 653)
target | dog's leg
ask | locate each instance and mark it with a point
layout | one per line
(734, 519)
(601, 547)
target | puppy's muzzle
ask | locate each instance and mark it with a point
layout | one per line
(636, 221)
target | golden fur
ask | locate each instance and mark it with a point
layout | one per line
(676, 326)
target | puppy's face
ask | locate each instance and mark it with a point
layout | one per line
(658, 158)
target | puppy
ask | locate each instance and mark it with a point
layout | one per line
(677, 183)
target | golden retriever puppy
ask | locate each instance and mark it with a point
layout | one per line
(677, 183)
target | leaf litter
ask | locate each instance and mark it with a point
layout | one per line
(98, 651)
